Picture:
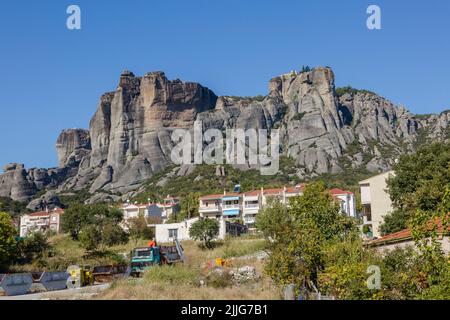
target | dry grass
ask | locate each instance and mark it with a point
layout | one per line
(182, 281)
(67, 252)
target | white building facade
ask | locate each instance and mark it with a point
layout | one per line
(246, 206)
(45, 221)
(376, 202)
(165, 233)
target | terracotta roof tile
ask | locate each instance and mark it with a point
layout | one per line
(405, 234)
(337, 191)
(212, 196)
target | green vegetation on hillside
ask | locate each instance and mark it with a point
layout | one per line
(257, 98)
(350, 90)
(14, 208)
(203, 180)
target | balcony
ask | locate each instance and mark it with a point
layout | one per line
(231, 206)
(210, 208)
(249, 220)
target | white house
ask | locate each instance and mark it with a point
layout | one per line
(170, 206)
(346, 200)
(375, 201)
(43, 221)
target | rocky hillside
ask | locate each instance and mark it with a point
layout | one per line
(323, 129)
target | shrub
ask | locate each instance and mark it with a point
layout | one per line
(219, 280)
(299, 116)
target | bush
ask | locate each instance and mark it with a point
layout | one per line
(219, 280)
(366, 229)
(299, 116)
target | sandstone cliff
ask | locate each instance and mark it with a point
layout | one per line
(128, 141)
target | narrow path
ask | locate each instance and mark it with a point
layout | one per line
(68, 294)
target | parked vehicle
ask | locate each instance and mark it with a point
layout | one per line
(145, 257)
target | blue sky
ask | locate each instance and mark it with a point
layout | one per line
(51, 78)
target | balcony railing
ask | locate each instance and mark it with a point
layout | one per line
(252, 205)
(231, 206)
(210, 208)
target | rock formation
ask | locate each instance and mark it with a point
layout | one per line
(129, 137)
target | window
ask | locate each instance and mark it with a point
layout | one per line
(173, 233)
(367, 212)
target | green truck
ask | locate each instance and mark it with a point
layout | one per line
(146, 257)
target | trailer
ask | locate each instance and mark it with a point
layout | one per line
(104, 274)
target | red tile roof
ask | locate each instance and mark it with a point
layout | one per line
(45, 213)
(253, 193)
(212, 196)
(273, 191)
(231, 194)
(405, 234)
(337, 191)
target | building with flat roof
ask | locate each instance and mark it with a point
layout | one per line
(247, 205)
(376, 202)
(44, 221)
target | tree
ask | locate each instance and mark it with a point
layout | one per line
(139, 229)
(205, 230)
(394, 222)
(344, 274)
(90, 237)
(75, 218)
(305, 69)
(189, 206)
(112, 235)
(296, 235)
(419, 183)
(79, 216)
(7, 240)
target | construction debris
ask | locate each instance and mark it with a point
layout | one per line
(244, 274)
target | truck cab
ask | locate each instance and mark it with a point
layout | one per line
(144, 258)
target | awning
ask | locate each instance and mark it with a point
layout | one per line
(230, 212)
(230, 198)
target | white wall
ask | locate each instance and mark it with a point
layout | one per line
(162, 230)
(379, 199)
(445, 242)
(365, 193)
